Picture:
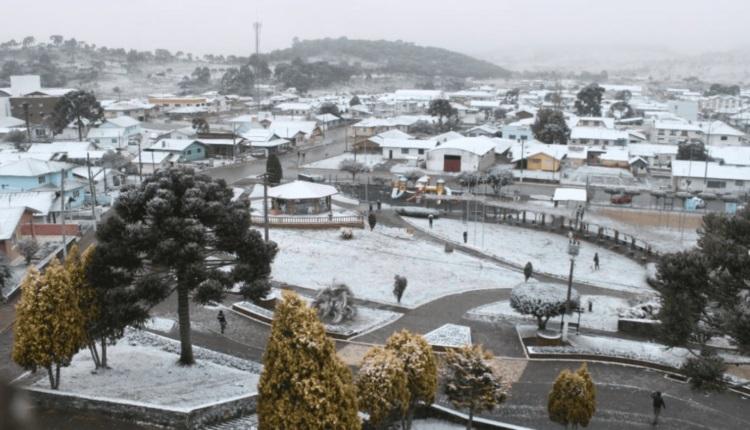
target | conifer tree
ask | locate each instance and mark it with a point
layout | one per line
(471, 382)
(572, 401)
(273, 169)
(44, 338)
(420, 367)
(382, 387)
(304, 384)
(75, 266)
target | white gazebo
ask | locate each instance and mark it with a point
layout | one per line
(301, 198)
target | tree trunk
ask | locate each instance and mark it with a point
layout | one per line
(57, 377)
(471, 418)
(183, 312)
(104, 354)
(540, 323)
(80, 130)
(410, 415)
(51, 377)
(95, 355)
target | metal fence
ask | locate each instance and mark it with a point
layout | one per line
(300, 221)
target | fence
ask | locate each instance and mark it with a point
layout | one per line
(310, 221)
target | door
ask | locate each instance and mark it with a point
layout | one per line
(390, 154)
(452, 163)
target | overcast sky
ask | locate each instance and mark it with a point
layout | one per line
(471, 26)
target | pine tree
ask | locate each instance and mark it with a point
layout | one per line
(175, 232)
(382, 387)
(471, 383)
(304, 384)
(572, 401)
(45, 338)
(420, 367)
(273, 169)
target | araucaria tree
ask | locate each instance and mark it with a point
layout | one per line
(705, 293)
(572, 401)
(441, 108)
(176, 231)
(304, 384)
(550, 127)
(420, 367)
(542, 301)
(471, 382)
(589, 100)
(76, 107)
(273, 169)
(382, 387)
(43, 338)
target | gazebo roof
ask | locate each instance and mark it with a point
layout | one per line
(301, 190)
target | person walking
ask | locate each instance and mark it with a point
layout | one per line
(658, 403)
(380, 204)
(222, 321)
(596, 261)
(466, 236)
(430, 218)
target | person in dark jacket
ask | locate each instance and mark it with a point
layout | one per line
(658, 403)
(222, 321)
(596, 261)
(430, 218)
(466, 236)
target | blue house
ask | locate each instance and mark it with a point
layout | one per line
(182, 150)
(30, 174)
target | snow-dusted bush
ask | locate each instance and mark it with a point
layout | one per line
(418, 212)
(346, 233)
(645, 306)
(335, 304)
(542, 301)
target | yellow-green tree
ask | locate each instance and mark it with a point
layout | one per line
(420, 367)
(304, 384)
(49, 324)
(382, 387)
(76, 265)
(471, 383)
(572, 401)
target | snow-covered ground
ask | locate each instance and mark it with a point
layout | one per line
(369, 262)
(603, 317)
(450, 335)
(369, 160)
(547, 252)
(435, 424)
(164, 325)
(143, 372)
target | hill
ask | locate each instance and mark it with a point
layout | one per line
(390, 57)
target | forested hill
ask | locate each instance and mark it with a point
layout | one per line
(390, 57)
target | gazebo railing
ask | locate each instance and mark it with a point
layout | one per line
(309, 220)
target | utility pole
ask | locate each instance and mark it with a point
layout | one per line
(62, 213)
(140, 163)
(92, 187)
(265, 206)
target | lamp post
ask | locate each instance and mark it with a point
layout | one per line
(574, 248)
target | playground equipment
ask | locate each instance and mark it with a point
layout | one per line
(422, 186)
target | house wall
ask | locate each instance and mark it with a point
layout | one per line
(542, 162)
(724, 140)
(195, 151)
(713, 185)
(517, 132)
(399, 154)
(470, 162)
(73, 191)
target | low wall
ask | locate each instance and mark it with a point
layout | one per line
(187, 419)
(50, 229)
(638, 327)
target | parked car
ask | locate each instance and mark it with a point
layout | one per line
(621, 199)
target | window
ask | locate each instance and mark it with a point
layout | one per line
(420, 151)
(40, 132)
(76, 193)
(197, 150)
(724, 137)
(512, 137)
(42, 179)
(404, 150)
(684, 132)
(189, 152)
(114, 140)
(739, 183)
(716, 184)
(661, 132)
(673, 132)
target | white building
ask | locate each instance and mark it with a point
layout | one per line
(598, 136)
(674, 132)
(692, 176)
(718, 133)
(406, 149)
(468, 154)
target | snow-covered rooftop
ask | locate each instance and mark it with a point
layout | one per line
(477, 145)
(570, 194)
(9, 219)
(300, 190)
(698, 169)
